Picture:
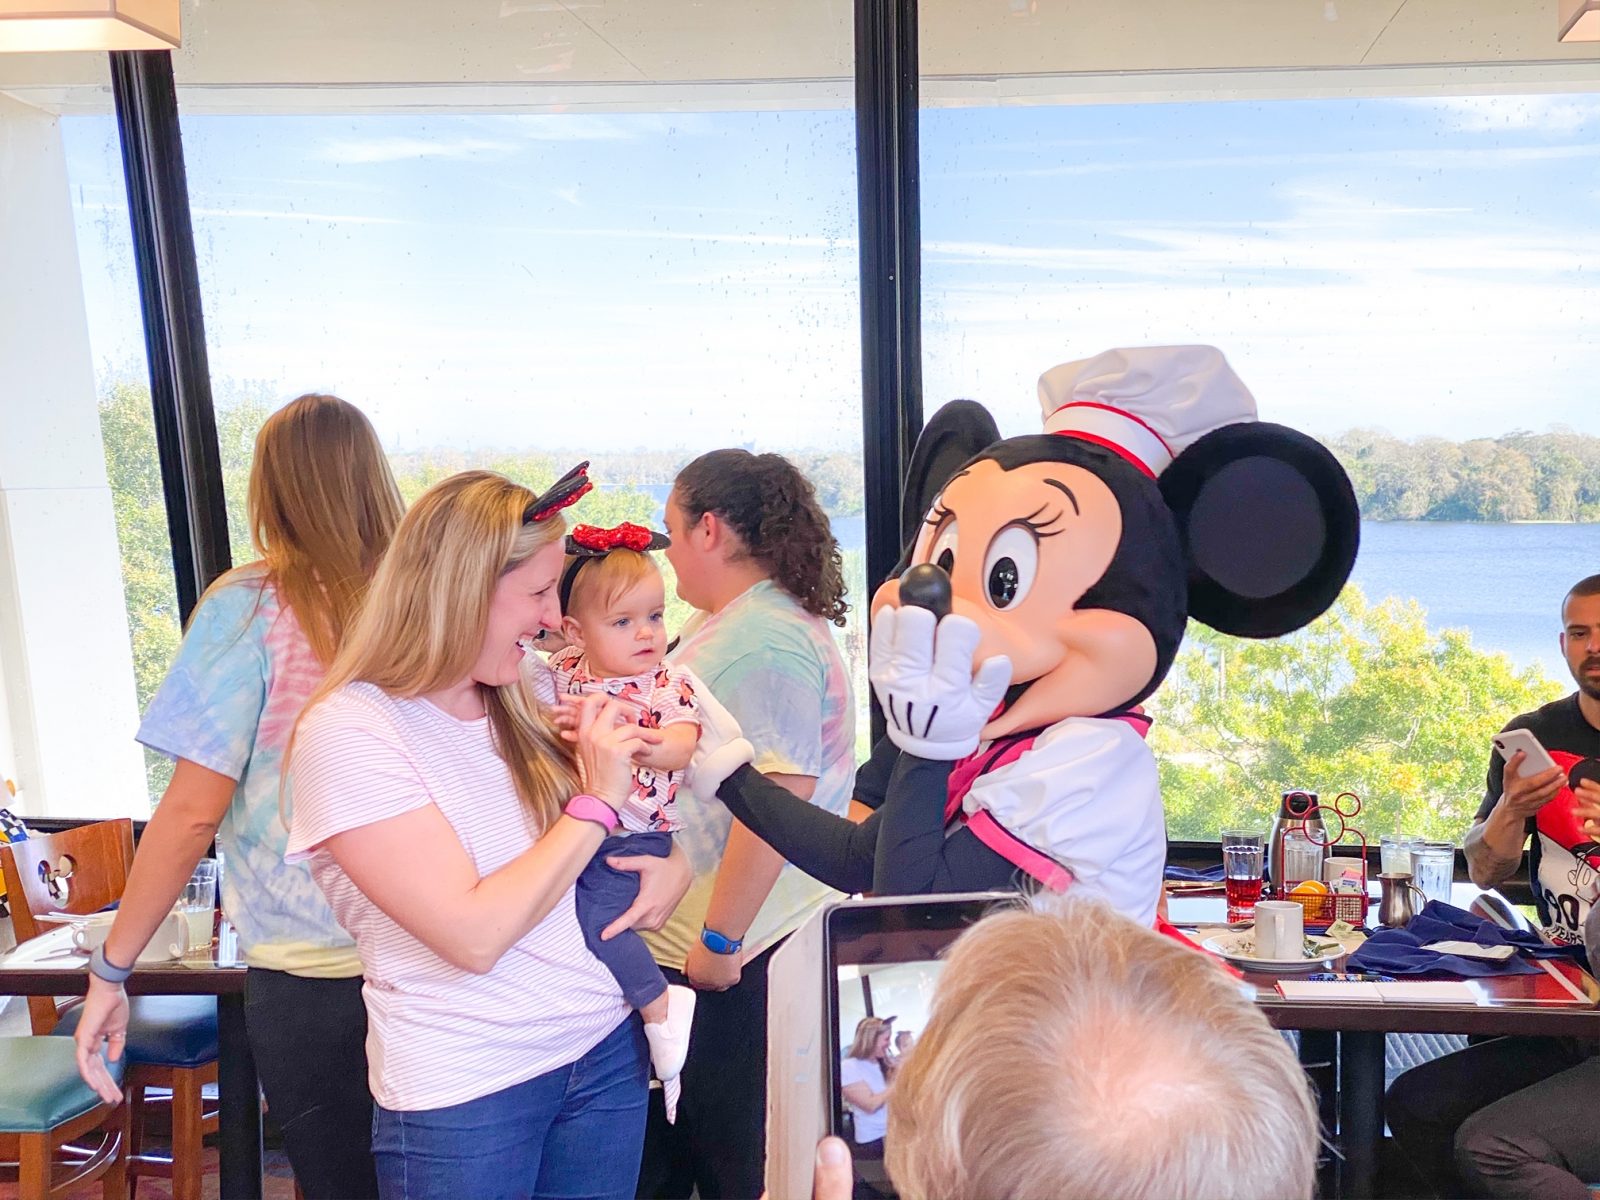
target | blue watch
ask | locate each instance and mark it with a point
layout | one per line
(717, 944)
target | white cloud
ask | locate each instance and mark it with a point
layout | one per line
(403, 149)
(1420, 158)
(1498, 114)
(274, 214)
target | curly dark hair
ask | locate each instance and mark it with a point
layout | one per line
(774, 510)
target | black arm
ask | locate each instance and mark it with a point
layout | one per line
(832, 849)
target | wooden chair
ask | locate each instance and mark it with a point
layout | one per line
(172, 1040)
(44, 1105)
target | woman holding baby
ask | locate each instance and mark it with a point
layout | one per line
(447, 822)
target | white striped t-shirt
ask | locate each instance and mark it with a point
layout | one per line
(439, 1035)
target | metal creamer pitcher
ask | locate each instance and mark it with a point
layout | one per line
(1395, 909)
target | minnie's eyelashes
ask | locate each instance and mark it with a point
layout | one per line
(1042, 529)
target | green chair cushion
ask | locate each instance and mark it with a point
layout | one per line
(39, 1084)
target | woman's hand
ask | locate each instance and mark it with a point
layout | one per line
(662, 884)
(712, 972)
(104, 1020)
(608, 736)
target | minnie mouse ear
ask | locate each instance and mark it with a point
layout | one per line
(952, 437)
(1269, 524)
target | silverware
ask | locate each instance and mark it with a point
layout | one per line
(72, 953)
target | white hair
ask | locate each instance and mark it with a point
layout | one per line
(1073, 1053)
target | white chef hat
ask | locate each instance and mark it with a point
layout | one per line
(1148, 403)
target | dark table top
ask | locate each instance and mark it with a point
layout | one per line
(1560, 1001)
(41, 968)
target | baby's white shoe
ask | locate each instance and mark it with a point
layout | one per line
(669, 1039)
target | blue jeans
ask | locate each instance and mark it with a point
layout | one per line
(574, 1132)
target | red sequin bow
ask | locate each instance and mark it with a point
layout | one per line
(626, 536)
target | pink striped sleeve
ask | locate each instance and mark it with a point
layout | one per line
(349, 769)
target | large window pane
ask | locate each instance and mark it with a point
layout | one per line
(663, 270)
(90, 619)
(1405, 274)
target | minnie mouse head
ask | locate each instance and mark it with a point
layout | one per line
(1154, 495)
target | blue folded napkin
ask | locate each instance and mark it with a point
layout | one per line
(1400, 951)
(1190, 875)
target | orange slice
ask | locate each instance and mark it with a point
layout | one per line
(1311, 887)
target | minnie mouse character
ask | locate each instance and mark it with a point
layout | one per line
(1046, 594)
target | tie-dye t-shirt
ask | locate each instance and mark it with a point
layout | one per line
(229, 703)
(776, 668)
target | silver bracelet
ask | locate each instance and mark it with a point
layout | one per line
(103, 968)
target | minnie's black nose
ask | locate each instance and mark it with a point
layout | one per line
(926, 586)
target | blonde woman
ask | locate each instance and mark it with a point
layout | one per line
(323, 507)
(864, 1082)
(443, 817)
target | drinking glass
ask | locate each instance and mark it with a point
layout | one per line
(1433, 866)
(1302, 858)
(199, 903)
(1394, 853)
(1241, 862)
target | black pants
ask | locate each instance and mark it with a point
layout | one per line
(719, 1144)
(1512, 1117)
(309, 1040)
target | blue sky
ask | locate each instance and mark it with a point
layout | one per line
(689, 280)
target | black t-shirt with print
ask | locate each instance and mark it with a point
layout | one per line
(1563, 861)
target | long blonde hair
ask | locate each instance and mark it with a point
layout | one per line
(422, 626)
(868, 1030)
(323, 506)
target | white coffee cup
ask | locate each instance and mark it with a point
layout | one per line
(1280, 929)
(170, 941)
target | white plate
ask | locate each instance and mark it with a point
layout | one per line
(1238, 947)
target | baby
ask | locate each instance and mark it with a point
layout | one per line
(612, 597)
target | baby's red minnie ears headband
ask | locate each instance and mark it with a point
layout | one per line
(565, 492)
(587, 542)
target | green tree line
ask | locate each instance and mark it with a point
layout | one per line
(1368, 699)
(1519, 477)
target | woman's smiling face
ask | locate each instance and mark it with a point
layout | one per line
(524, 602)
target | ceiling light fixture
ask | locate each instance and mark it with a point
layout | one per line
(99, 25)
(1579, 20)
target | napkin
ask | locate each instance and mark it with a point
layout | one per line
(1404, 951)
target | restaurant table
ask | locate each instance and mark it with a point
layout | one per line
(36, 968)
(1559, 1001)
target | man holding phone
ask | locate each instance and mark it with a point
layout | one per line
(1523, 801)
(1514, 1116)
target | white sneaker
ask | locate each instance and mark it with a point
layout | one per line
(670, 1091)
(669, 1039)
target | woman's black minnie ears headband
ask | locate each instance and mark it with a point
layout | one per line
(565, 492)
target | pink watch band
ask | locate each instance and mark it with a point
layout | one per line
(584, 807)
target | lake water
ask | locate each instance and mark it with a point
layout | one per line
(1505, 583)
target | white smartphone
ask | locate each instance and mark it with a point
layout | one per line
(1538, 758)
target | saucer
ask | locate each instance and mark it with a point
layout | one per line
(1238, 947)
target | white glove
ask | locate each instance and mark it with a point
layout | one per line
(922, 673)
(722, 748)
